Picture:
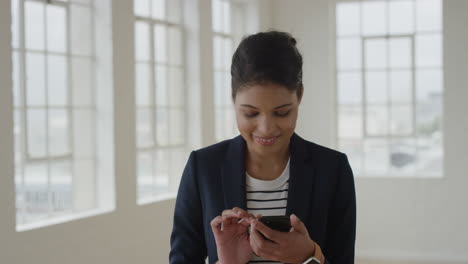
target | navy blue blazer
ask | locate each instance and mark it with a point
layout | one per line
(321, 194)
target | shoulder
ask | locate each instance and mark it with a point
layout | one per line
(319, 152)
(216, 153)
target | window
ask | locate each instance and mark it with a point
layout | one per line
(56, 108)
(228, 28)
(390, 86)
(160, 96)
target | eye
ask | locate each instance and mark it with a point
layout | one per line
(282, 114)
(250, 115)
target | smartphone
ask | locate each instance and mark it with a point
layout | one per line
(277, 222)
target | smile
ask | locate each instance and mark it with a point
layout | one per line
(265, 141)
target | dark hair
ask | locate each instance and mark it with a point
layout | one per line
(267, 57)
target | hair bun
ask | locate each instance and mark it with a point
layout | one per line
(293, 41)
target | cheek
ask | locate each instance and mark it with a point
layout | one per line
(244, 125)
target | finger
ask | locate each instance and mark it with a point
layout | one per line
(216, 224)
(298, 225)
(262, 246)
(259, 216)
(266, 231)
(235, 212)
(226, 222)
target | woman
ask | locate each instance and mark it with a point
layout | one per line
(267, 170)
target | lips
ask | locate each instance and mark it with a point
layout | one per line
(266, 141)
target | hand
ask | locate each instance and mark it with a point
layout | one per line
(230, 230)
(294, 246)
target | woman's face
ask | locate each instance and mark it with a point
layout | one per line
(266, 117)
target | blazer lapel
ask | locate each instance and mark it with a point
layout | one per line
(233, 175)
(301, 179)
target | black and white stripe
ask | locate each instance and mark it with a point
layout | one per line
(267, 198)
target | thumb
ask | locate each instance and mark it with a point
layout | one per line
(298, 225)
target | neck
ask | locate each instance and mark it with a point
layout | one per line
(256, 162)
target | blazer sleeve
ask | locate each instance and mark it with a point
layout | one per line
(341, 230)
(187, 238)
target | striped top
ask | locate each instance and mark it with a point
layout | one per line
(267, 198)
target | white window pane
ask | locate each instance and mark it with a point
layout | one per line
(61, 191)
(227, 54)
(35, 175)
(162, 126)
(403, 157)
(374, 18)
(349, 88)
(174, 11)
(376, 53)
(428, 15)
(219, 123)
(218, 88)
(57, 80)
(429, 118)
(176, 126)
(141, 7)
(401, 87)
(227, 89)
(350, 122)
(85, 2)
(376, 87)
(175, 46)
(83, 133)
(401, 122)
(81, 30)
(36, 202)
(143, 84)
(15, 23)
(144, 127)
(347, 19)
(349, 54)
(59, 131)
(145, 174)
(37, 139)
(400, 52)
(401, 17)
(429, 50)
(226, 7)
(82, 83)
(178, 158)
(34, 25)
(158, 9)
(17, 96)
(176, 90)
(61, 177)
(429, 85)
(376, 154)
(430, 154)
(218, 52)
(142, 41)
(35, 79)
(354, 150)
(217, 15)
(162, 163)
(56, 28)
(160, 39)
(377, 120)
(162, 97)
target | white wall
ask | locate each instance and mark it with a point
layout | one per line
(400, 219)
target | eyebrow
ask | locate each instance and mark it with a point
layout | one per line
(278, 107)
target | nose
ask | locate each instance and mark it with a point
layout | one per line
(266, 126)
